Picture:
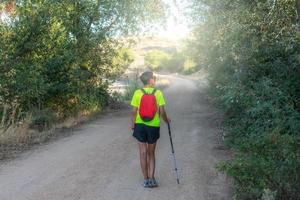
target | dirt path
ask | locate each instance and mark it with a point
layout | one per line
(100, 161)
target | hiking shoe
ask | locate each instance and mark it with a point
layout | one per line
(146, 183)
(152, 183)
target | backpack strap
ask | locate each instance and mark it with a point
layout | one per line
(142, 89)
(153, 92)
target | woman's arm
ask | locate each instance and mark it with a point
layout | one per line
(163, 114)
(133, 117)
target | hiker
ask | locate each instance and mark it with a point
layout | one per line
(147, 107)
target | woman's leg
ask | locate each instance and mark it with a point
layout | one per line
(151, 159)
(143, 159)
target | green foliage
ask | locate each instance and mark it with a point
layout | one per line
(251, 50)
(132, 86)
(58, 55)
(42, 119)
(172, 62)
(175, 63)
(123, 58)
(156, 59)
(189, 66)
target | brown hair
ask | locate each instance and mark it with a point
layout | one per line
(146, 76)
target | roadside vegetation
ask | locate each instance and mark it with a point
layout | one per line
(251, 50)
(177, 61)
(56, 59)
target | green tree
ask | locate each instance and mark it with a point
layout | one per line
(251, 50)
(58, 54)
(156, 59)
(162, 61)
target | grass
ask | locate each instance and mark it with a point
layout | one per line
(23, 136)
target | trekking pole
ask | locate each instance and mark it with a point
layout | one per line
(173, 154)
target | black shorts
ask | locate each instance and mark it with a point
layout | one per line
(146, 134)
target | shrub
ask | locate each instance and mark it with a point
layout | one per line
(42, 119)
(251, 50)
(189, 66)
(132, 85)
(156, 59)
(161, 61)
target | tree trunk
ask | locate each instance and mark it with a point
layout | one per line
(5, 106)
(14, 110)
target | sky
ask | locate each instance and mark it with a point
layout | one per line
(176, 27)
(3, 16)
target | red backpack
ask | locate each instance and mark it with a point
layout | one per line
(148, 106)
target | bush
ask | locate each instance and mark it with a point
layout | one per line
(42, 119)
(189, 66)
(132, 85)
(251, 50)
(156, 59)
(57, 55)
(122, 59)
(175, 62)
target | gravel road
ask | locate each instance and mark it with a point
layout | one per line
(100, 160)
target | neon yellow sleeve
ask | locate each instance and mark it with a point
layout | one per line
(160, 98)
(134, 101)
